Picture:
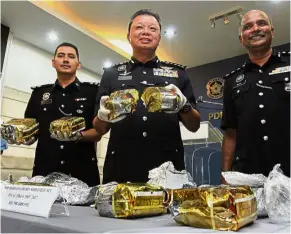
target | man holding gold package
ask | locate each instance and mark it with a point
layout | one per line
(142, 102)
(256, 115)
(64, 111)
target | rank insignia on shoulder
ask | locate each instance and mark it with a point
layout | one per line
(176, 65)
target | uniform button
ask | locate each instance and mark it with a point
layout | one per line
(237, 158)
(177, 150)
(260, 82)
(61, 146)
(261, 93)
(286, 79)
(144, 134)
(62, 162)
(238, 91)
(62, 105)
(144, 82)
(166, 82)
(93, 159)
(144, 118)
(260, 71)
(263, 121)
(261, 106)
(81, 106)
(144, 72)
(44, 109)
(64, 94)
(112, 152)
(123, 84)
(266, 138)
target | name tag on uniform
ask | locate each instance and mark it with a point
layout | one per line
(279, 70)
(124, 77)
(165, 72)
(81, 99)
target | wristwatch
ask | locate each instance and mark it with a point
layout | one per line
(186, 108)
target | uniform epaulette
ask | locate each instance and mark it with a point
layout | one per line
(284, 52)
(90, 83)
(41, 86)
(174, 65)
(116, 65)
(234, 71)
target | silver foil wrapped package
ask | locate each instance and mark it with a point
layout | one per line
(277, 194)
(168, 177)
(255, 181)
(72, 190)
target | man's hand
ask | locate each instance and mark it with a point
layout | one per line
(64, 137)
(182, 101)
(103, 113)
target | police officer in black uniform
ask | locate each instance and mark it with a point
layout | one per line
(256, 115)
(75, 156)
(142, 141)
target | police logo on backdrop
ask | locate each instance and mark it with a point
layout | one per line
(214, 88)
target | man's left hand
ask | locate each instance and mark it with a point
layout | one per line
(182, 101)
(64, 137)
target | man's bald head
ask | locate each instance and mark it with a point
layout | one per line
(256, 31)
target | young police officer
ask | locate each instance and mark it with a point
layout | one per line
(142, 141)
(68, 96)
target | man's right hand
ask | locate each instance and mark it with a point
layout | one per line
(103, 113)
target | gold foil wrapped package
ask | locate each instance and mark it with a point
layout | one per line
(220, 208)
(130, 200)
(19, 131)
(67, 126)
(160, 99)
(122, 102)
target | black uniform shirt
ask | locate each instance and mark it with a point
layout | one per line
(143, 140)
(257, 105)
(51, 102)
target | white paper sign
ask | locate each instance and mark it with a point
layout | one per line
(27, 199)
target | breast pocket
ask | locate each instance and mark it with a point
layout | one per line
(239, 95)
(281, 87)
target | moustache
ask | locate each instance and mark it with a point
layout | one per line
(261, 34)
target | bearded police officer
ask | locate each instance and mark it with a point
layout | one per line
(256, 115)
(75, 156)
(142, 141)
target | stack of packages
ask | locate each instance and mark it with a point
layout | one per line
(272, 193)
(220, 208)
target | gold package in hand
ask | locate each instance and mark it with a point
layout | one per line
(122, 102)
(220, 208)
(19, 131)
(67, 126)
(160, 99)
(130, 200)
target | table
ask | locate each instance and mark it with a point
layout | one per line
(86, 219)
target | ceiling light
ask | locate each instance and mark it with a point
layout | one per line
(170, 32)
(107, 64)
(53, 36)
(212, 24)
(239, 15)
(125, 46)
(226, 20)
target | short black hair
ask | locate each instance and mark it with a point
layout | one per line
(145, 12)
(69, 45)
